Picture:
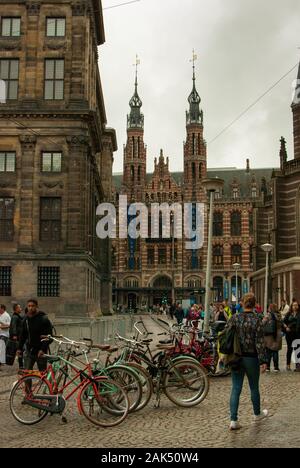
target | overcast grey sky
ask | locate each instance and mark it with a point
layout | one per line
(243, 48)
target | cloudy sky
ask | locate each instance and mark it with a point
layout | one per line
(243, 48)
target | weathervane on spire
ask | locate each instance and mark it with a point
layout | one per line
(136, 64)
(195, 57)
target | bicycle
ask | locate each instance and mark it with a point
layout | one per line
(101, 400)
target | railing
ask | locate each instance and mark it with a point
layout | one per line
(292, 166)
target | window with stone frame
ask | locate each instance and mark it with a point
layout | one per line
(254, 191)
(218, 224)
(114, 258)
(55, 27)
(7, 209)
(235, 192)
(151, 256)
(218, 255)
(236, 254)
(7, 161)
(48, 283)
(5, 281)
(236, 223)
(51, 161)
(10, 27)
(54, 79)
(50, 219)
(9, 73)
(162, 256)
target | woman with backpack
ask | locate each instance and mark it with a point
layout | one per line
(273, 336)
(249, 333)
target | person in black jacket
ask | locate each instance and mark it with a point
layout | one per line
(15, 328)
(35, 325)
(292, 331)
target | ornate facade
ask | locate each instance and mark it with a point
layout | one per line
(149, 271)
(279, 224)
(56, 156)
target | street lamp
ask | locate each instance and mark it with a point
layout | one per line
(236, 267)
(268, 249)
(211, 186)
(173, 257)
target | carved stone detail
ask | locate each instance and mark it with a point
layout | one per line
(33, 8)
(28, 141)
(79, 9)
(10, 45)
(51, 185)
(77, 140)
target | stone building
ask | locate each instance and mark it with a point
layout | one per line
(150, 271)
(56, 156)
(279, 223)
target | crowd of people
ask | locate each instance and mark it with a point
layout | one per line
(22, 332)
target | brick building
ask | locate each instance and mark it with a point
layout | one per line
(148, 271)
(56, 156)
(279, 222)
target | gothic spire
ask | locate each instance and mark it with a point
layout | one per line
(195, 115)
(135, 119)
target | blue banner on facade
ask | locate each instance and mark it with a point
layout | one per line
(245, 287)
(131, 245)
(226, 289)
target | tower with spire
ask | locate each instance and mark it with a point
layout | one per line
(134, 174)
(195, 163)
(296, 117)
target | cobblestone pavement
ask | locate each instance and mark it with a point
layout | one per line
(203, 426)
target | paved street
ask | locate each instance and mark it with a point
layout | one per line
(169, 426)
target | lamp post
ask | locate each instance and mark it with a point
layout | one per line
(173, 257)
(236, 267)
(268, 249)
(211, 186)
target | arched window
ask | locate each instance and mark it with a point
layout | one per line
(218, 255)
(218, 224)
(139, 174)
(200, 170)
(236, 254)
(251, 224)
(236, 223)
(131, 283)
(132, 173)
(193, 170)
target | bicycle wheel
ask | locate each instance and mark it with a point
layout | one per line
(104, 402)
(24, 392)
(147, 384)
(185, 383)
(129, 380)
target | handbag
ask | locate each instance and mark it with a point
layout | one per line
(11, 349)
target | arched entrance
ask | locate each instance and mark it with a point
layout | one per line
(162, 290)
(218, 289)
(132, 302)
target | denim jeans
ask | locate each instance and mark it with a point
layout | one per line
(250, 367)
(275, 355)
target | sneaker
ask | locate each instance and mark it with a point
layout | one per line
(268, 370)
(234, 426)
(262, 415)
(276, 371)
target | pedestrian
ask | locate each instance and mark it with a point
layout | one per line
(273, 336)
(4, 332)
(227, 309)
(35, 325)
(179, 314)
(221, 315)
(284, 308)
(250, 333)
(291, 325)
(15, 329)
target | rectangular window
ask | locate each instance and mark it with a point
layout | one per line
(48, 282)
(7, 207)
(9, 73)
(151, 256)
(5, 281)
(50, 219)
(56, 27)
(162, 256)
(7, 162)
(51, 162)
(11, 27)
(54, 79)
